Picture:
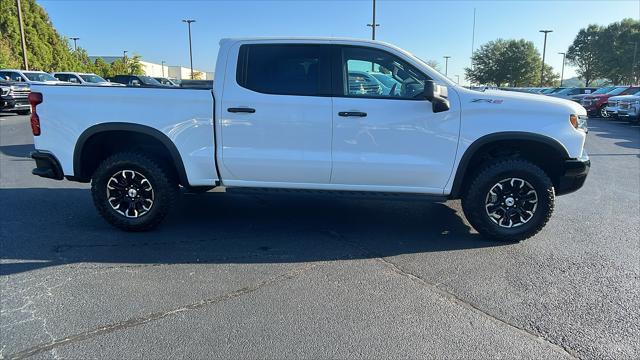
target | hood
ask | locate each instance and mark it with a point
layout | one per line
(621, 97)
(517, 101)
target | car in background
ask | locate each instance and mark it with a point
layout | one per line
(569, 92)
(629, 108)
(83, 78)
(165, 81)
(136, 81)
(29, 77)
(363, 83)
(596, 104)
(553, 90)
(614, 102)
(602, 90)
(14, 97)
(197, 84)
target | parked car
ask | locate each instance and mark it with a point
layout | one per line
(83, 79)
(390, 85)
(166, 81)
(629, 108)
(614, 102)
(568, 93)
(362, 83)
(14, 97)
(197, 84)
(601, 90)
(281, 116)
(596, 104)
(136, 80)
(29, 77)
(553, 90)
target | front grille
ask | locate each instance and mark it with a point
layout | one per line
(613, 103)
(624, 105)
(21, 93)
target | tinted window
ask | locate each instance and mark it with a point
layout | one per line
(11, 76)
(376, 73)
(284, 69)
(62, 77)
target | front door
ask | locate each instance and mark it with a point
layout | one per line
(276, 116)
(385, 134)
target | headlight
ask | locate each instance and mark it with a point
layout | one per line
(5, 91)
(578, 122)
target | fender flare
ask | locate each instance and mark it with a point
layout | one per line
(494, 137)
(129, 127)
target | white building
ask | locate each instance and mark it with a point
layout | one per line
(161, 70)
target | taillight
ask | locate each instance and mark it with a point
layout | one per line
(35, 98)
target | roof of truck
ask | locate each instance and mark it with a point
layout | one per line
(296, 38)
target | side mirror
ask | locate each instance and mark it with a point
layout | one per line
(436, 94)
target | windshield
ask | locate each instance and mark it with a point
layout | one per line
(617, 91)
(631, 90)
(603, 90)
(37, 76)
(564, 91)
(147, 80)
(91, 78)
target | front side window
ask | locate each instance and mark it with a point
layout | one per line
(284, 69)
(375, 73)
(10, 76)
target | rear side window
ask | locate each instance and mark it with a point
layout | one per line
(285, 69)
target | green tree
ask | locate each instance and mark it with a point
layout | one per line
(617, 44)
(434, 64)
(134, 67)
(101, 68)
(508, 63)
(585, 53)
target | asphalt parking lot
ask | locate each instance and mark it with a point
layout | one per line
(242, 275)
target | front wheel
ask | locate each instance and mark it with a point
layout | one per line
(510, 200)
(132, 192)
(603, 112)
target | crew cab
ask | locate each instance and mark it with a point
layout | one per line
(14, 97)
(613, 103)
(283, 114)
(83, 78)
(596, 104)
(629, 108)
(29, 77)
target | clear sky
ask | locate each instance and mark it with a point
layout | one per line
(429, 29)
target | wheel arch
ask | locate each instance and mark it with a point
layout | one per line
(82, 169)
(474, 155)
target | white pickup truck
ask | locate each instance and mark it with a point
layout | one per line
(287, 113)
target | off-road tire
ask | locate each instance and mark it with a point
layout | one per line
(474, 200)
(164, 187)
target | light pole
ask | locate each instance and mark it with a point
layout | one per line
(189, 21)
(562, 72)
(162, 65)
(75, 44)
(446, 64)
(373, 23)
(22, 40)
(544, 50)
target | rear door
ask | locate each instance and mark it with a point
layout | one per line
(276, 115)
(385, 134)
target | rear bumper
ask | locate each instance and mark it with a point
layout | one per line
(574, 175)
(47, 166)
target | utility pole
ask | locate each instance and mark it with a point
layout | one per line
(24, 43)
(544, 50)
(634, 65)
(162, 65)
(373, 23)
(446, 64)
(562, 72)
(75, 44)
(189, 21)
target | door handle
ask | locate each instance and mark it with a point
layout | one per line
(241, 110)
(352, 113)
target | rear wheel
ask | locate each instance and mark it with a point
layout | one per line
(132, 191)
(509, 200)
(603, 112)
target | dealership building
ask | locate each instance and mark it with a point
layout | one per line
(161, 70)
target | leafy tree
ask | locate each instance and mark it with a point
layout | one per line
(198, 75)
(101, 68)
(617, 44)
(584, 53)
(508, 63)
(134, 67)
(434, 64)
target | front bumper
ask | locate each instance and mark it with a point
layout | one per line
(47, 166)
(574, 174)
(14, 104)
